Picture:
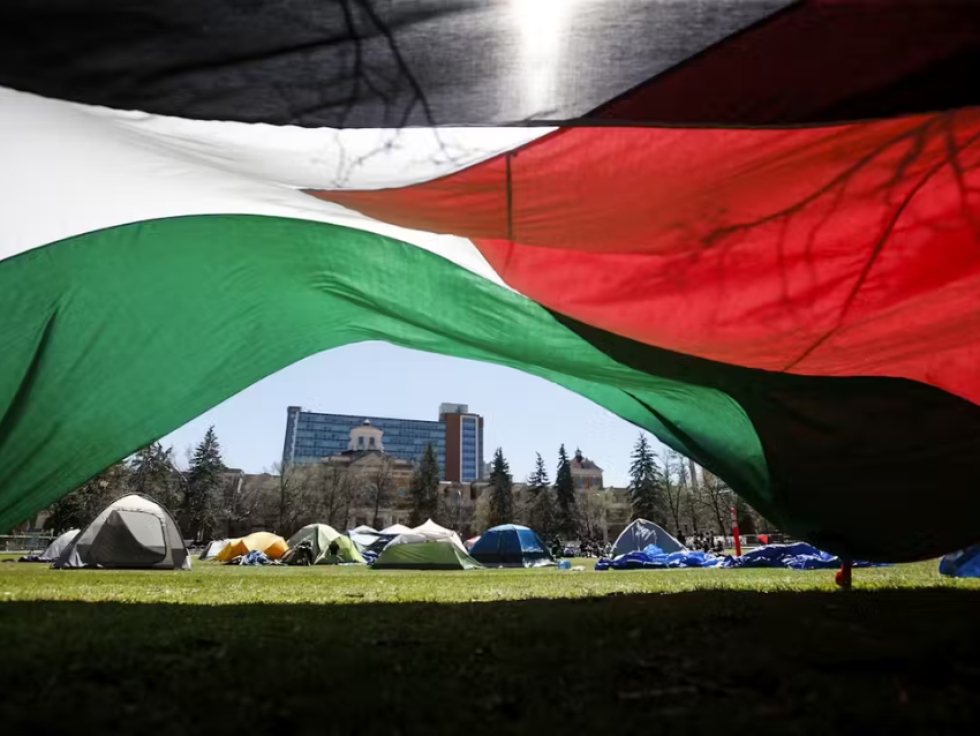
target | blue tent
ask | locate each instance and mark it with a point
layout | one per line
(962, 564)
(511, 545)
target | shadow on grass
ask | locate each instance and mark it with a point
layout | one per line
(780, 662)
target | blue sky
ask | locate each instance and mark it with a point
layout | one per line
(522, 413)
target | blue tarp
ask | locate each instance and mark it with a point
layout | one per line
(962, 564)
(798, 556)
(369, 556)
(252, 558)
(654, 558)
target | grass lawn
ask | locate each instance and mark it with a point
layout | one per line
(351, 650)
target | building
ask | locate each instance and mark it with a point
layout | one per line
(586, 475)
(366, 458)
(457, 438)
(464, 443)
(311, 436)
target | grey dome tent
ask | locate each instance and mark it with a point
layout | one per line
(59, 545)
(131, 532)
(53, 551)
(641, 534)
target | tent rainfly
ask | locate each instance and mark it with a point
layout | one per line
(432, 531)
(369, 541)
(414, 551)
(131, 532)
(59, 545)
(641, 534)
(395, 529)
(271, 544)
(511, 545)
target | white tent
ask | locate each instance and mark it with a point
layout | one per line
(641, 534)
(395, 529)
(433, 532)
(58, 546)
(364, 529)
(214, 549)
(131, 532)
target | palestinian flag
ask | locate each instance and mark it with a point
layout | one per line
(752, 228)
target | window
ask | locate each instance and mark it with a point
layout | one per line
(371, 442)
(360, 441)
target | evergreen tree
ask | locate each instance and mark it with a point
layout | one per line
(153, 473)
(424, 488)
(567, 512)
(539, 478)
(202, 502)
(80, 507)
(646, 483)
(501, 491)
(542, 516)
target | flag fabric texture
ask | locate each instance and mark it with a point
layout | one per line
(751, 227)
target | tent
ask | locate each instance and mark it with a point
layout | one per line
(641, 534)
(431, 530)
(413, 551)
(369, 541)
(395, 529)
(53, 550)
(962, 564)
(131, 532)
(470, 542)
(214, 549)
(59, 545)
(364, 529)
(511, 545)
(318, 538)
(271, 544)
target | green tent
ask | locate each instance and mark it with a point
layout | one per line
(414, 552)
(318, 539)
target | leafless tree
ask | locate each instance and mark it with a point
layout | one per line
(247, 501)
(451, 508)
(293, 483)
(593, 515)
(333, 489)
(674, 486)
(717, 498)
(378, 486)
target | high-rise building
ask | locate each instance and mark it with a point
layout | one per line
(457, 438)
(311, 436)
(464, 443)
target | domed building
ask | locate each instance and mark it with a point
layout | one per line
(586, 475)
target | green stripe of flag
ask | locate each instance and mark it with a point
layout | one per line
(113, 339)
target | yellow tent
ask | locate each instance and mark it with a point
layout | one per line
(273, 545)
